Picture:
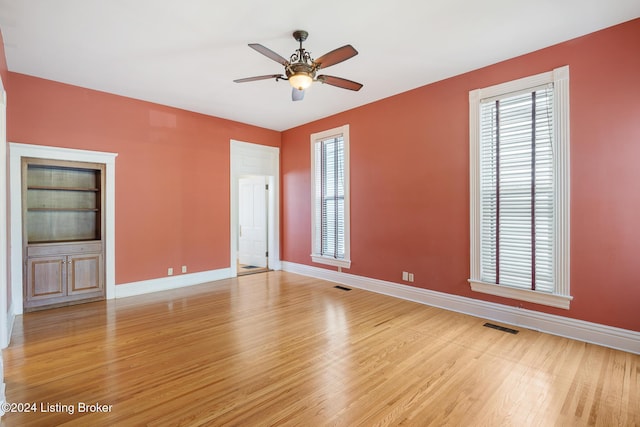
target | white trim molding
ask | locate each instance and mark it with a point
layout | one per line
(16, 152)
(552, 300)
(172, 282)
(11, 317)
(607, 336)
(561, 296)
(341, 263)
(316, 239)
(6, 317)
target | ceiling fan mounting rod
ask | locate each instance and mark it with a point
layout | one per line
(301, 55)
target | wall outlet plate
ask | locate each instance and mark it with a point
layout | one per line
(170, 271)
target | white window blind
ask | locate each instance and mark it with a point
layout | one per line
(330, 201)
(517, 198)
(330, 194)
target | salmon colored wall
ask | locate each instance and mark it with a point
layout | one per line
(172, 169)
(410, 179)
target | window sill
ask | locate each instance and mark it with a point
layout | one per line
(552, 300)
(343, 263)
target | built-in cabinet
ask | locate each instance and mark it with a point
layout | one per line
(63, 225)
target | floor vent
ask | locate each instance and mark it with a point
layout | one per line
(342, 288)
(500, 328)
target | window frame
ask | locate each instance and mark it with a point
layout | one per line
(560, 297)
(316, 256)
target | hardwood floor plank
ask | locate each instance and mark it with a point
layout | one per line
(282, 349)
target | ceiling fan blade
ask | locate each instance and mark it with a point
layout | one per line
(253, 79)
(269, 53)
(335, 56)
(340, 82)
(296, 94)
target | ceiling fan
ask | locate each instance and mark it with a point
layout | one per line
(300, 70)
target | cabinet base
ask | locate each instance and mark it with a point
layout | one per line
(62, 304)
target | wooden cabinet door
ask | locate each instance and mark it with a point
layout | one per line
(46, 278)
(63, 274)
(85, 275)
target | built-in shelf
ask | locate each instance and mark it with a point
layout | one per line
(63, 201)
(63, 209)
(60, 242)
(63, 228)
(44, 187)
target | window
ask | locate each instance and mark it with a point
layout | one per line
(330, 200)
(519, 174)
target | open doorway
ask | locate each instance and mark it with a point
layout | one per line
(253, 254)
(255, 225)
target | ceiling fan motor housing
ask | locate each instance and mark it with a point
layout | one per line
(300, 67)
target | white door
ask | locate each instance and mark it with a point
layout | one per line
(252, 212)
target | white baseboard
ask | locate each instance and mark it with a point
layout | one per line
(608, 336)
(171, 282)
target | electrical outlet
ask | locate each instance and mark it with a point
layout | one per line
(184, 268)
(405, 276)
(170, 271)
(411, 277)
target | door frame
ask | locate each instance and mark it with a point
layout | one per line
(16, 152)
(255, 159)
(6, 317)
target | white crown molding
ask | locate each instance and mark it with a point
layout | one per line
(171, 282)
(607, 336)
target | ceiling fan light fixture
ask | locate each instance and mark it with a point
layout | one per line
(300, 80)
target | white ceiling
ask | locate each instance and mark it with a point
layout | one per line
(187, 53)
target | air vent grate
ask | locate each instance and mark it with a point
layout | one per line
(501, 328)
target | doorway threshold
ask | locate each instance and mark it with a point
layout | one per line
(245, 269)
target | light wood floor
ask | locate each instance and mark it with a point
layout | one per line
(282, 349)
